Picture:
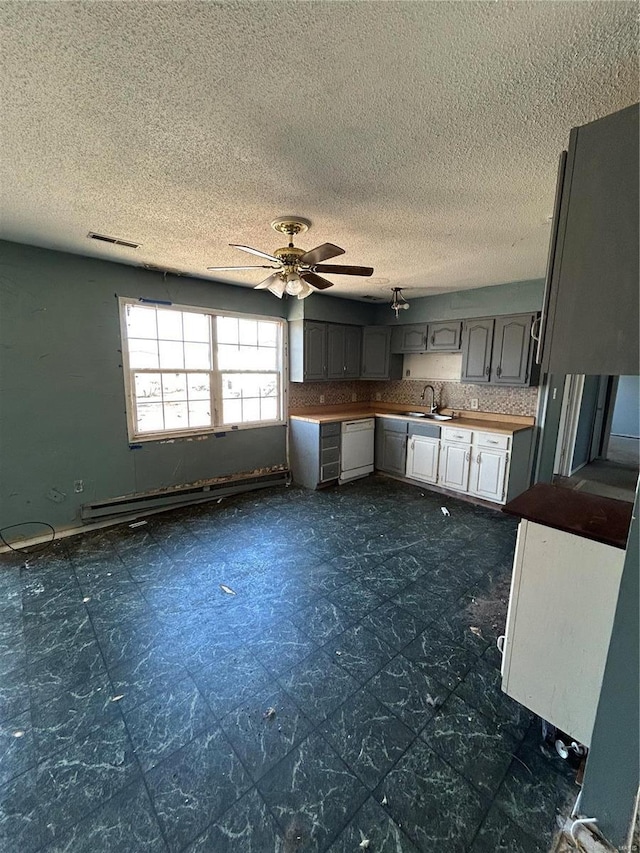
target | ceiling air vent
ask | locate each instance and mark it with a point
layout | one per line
(104, 238)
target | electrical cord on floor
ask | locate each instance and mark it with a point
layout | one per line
(44, 546)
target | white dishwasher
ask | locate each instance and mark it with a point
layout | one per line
(356, 448)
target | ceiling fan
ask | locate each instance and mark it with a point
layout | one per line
(296, 270)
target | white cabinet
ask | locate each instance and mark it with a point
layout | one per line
(488, 473)
(564, 591)
(454, 466)
(422, 458)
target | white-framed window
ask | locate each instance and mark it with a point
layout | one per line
(192, 370)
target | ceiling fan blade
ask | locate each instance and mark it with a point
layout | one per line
(257, 252)
(315, 280)
(253, 267)
(342, 270)
(321, 253)
(266, 284)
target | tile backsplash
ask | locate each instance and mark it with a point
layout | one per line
(449, 394)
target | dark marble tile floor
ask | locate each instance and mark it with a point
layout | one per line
(135, 693)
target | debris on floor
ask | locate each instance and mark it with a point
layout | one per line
(269, 714)
(117, 698)
(476, 631)
(365, 844)
(227, 589)
(432, 702)
(384, 801)
(444, 510)
(488, 612)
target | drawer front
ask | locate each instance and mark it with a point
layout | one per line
(331, 454)
(497, 441)
(329, 442)
(393, 424)
(428, 430)
(329, 429)
(329, 472)
(463, 436)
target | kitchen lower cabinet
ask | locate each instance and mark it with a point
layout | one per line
(314, 452)
(488, 473)
(454, 466)
(423, 454)
(391, 446)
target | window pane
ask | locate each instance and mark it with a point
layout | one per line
(248, 385)
(248, 332)
(196, 327)
(148, 387)
(170, 325)
(171, 355)
(149, 417)
(174, 386)
(251, 410)
(246, 358)
(143, 353)
(176, 416)
(197, 356)
(227, 330)
(269, 409)
(141, 322)
(267, 334)
(199, 414)
(198, 386)
(231, 411)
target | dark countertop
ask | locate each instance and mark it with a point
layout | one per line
(602, 519)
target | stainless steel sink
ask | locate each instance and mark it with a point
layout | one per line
(434, 416)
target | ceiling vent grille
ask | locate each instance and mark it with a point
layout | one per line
(104, 238)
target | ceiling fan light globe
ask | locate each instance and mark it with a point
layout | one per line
(294, 284)
(277, 288)
(305, 291)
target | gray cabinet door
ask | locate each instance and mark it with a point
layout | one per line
(391, 446)
(512, 347)
(592, 321)
(352, 351)
(410, 338)
(335, 351)
(315, 351)
(477, 339)
(376, 350)
(444, 337)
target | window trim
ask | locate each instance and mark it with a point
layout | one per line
(195, 433)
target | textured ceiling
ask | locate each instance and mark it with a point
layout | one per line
(422, 137)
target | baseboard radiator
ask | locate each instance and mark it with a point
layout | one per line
(204, 490)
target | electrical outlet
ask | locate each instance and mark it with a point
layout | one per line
(322, 398)
(378, 396)
(474, 403)
(78, 486)
(354, 398)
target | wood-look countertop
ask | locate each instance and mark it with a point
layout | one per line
(593, 517)
(485, 421)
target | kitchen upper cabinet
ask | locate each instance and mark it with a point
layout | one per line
(320, 351)
(512, 350)
(377, 360)
(409, 338)
(444, 337)
(391, 446)
(499, 351)
(590, 313)
(477, 342)
(343, 351)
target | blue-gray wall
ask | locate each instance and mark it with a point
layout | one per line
(626, 410)
(62, 407)
(586, 419)
(516, 297)
(612, 774)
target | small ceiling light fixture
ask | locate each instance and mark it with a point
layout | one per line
(398, 303)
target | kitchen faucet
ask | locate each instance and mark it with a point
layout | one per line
(433, 397)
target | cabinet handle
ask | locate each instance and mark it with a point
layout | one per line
(433, 339)
(500, 643)
(492, 441)
(498, 371)
(479, 458)
(535, 327)
(467, 456)
(487, 370)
